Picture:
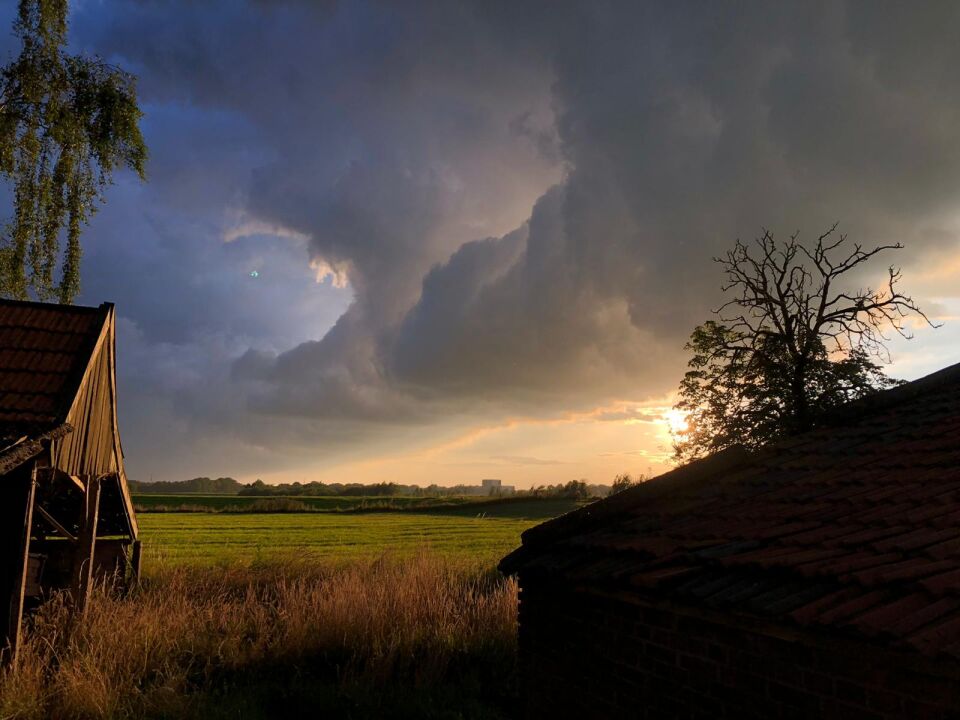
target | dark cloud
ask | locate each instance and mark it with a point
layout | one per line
(523, 198)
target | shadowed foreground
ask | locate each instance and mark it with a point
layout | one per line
(418, 637)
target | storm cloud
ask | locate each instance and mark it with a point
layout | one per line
(512, 210)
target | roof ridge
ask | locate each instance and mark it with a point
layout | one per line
(888, 398)
(53, 305)
(675, 483)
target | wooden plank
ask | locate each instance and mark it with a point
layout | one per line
(136, 556)
(46, 474)
(35, 566)
(15, 610)
(101, 339)
(16, 455)
(83, 560)
(42, 511)
(72, 479)
(118, 447)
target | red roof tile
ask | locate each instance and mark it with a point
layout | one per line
(853, 528)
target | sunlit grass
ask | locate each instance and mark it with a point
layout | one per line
(324, 537)
(319, 614)
(419, 636)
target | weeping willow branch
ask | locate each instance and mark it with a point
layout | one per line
(66, 123)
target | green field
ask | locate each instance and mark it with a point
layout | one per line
(461, 532)
(198, 502)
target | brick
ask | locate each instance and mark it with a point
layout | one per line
(698, 666)
(601, 667)
(818, 683)
(851, 693)
(836, 710)
(884, 701)
(660, 654)
(923, 711)
(717, 653)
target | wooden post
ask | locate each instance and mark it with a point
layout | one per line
(135, 560)
(21, 560)
(86, 544)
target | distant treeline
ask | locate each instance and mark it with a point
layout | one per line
(229, 486)
(200, 485)
(574, 488)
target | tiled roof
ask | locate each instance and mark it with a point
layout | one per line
(44, 350)
(853, 528)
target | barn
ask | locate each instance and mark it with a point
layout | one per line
(819, 577)
(65, 512)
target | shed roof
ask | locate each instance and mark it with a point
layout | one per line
(853, 528)
(44, 350)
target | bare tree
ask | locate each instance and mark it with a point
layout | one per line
(790, 343)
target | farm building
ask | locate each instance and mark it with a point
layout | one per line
(817, 578)
(65, 511)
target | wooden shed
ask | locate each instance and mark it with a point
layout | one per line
(818, 578)
(65, 512)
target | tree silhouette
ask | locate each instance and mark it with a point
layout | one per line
(790, 344)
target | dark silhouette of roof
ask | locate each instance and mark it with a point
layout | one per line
(44, 350)
(853, 528)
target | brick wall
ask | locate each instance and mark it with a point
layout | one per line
(588, 656)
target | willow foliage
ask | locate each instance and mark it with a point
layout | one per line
(66, 122)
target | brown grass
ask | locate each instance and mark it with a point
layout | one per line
(416, 637)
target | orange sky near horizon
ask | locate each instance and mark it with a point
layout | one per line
(623, 437)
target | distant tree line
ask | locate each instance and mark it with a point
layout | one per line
(200, 485)
(577, 489)
(262, 489)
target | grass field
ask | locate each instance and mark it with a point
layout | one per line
(247, 616)
(390, 638)
(154, 502)
(484, 536)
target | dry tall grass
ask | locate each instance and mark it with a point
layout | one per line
(389, 637)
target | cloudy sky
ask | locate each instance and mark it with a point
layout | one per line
(442, 241)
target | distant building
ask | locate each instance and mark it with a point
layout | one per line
(495, 487)
(818, 577)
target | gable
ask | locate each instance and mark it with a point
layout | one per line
(90, 449)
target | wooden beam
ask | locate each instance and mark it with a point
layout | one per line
(83, 560)
(117, 447)
(15, 610)
(52, 475)
(18, 454)
(53, 521)
(136, 557)
(77, 483)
